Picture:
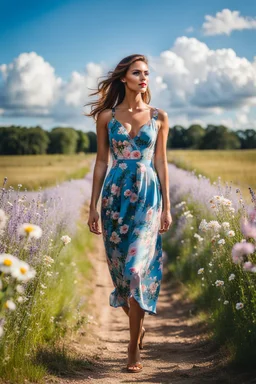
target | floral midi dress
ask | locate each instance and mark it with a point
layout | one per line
(131, 206)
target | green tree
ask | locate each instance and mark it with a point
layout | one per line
(178, 137)
(219, 137)
(63, 140)
(195, 133)
(93, 141)
(247, 138)
(83, 142)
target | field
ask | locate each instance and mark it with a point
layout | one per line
(43, 170)
(235, 166)
(209, 254)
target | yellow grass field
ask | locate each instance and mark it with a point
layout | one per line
(43, 170)
(236, 165)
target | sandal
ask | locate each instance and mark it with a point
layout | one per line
(134, 367)
(131, 367)
(141, 338)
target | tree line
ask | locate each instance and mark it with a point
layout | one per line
(16, 140)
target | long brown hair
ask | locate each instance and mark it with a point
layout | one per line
(112, 90)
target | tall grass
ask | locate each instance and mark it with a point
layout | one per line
(236, 166)
(42, 310)
(219, 275)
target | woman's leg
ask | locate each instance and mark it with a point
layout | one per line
(126, 310)
(136, 315)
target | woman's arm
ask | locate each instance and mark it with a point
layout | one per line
(100, 168)
(161, 166)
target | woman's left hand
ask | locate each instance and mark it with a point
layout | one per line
(166, 221)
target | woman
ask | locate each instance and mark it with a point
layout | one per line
(135, 205)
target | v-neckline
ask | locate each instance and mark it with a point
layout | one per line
(138, 134)
(139, 131)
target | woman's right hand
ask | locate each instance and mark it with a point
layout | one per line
(93, 222)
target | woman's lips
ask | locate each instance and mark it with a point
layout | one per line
(143, 85)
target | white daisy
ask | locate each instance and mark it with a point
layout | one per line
(7, 262)
(30, 230)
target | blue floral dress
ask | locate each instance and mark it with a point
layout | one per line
(131, 206)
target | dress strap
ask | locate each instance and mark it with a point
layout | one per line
(155, 113)
(113, 112)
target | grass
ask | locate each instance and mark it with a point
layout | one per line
(43, 170)
(234, 166)
(38, 349)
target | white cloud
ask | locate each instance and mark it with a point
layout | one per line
(189, 29)
(190, 81)
(203, 79)
(227, 21)
(29, 85)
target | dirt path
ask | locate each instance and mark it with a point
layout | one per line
(176, 349)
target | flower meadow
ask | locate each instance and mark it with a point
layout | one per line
(42, 255)
(212, 249)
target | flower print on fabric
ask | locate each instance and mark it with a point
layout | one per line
(131, 207)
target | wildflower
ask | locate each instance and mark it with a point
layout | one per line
(23, 272)
(198, 237)
(219, 283)
(48, 259)
(248, 230)
(187, 214)
(30, 231)
(214, 225)
(231, 277)
(248, 266)
(9, 304)
(20, 299)
(180, 204)
(225, 225)
(239, 306)
(7, 262)
(203, 226)
(221, 242)
(20, 288)
(65, 239)
(200, 271)
(226, 302)
(239, 250)
(3, 219)
(231, 233)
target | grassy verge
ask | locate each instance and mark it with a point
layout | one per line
(34, 341)
(223, 291)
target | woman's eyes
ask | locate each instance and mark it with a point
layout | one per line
(137, 72)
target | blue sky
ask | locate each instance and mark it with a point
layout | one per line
(70, 34)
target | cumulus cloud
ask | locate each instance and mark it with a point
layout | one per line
(190, 81)
(205, 80)
(29, 85)
(227, 21)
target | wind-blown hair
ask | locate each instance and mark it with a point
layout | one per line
(111, 91)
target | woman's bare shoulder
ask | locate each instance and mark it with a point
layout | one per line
(104, 116)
